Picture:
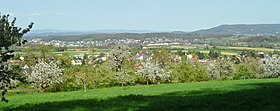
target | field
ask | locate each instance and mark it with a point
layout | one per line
(249, 48)
(236, 95)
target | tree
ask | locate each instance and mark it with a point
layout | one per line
(118, 55)
(104, 76)
(200, 72)
(64, 61)
(256, 66)
(184, 72)
(212, 70)
(201, 55)
(180, 52)
(226, 69)
(123, 77)
(45, 51)
(161, 57)
(31, 58)
(43, 75)
(221, 70)
(84, 77)
(271, 67)
(213, 54)
(153, 72)
(127, 75)
(187, 72)
(243, 71)
(9, 35)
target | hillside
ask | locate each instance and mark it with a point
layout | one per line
(237, 95)
(105, 36)
(265, 29)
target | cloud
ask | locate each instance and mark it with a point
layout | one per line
(34, 14)
(38, 14)
(59, 13)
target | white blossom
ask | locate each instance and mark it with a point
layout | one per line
(118, 55)
(272, 67)
(43, 75)
(153, 73)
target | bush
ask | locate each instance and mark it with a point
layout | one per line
(187, 72)
(104, 76)
(243, 72)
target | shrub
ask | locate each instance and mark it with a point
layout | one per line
(243, 72)
(188, 72)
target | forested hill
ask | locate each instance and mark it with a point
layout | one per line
(104, 36)
(264, 29)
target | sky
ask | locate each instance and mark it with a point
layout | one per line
(166, 15)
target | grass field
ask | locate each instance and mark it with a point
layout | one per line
(237, 95)
(223, 53)
(73, 52)
(249, 48)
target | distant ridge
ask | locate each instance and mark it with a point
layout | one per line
(264, 29)
(53, 32)
(68, 35)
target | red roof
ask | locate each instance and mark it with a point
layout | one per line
(142, 53)
(16, 61)
(194, 59)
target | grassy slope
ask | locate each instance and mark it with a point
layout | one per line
(261, 94)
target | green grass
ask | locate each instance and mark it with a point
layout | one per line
(240, 95)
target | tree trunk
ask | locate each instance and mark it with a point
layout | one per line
(42, 88)
(85, 87)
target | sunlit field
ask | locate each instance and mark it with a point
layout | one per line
(242, 95)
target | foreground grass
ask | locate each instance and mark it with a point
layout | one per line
(244, 95)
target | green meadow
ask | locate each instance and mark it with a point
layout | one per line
(234, 95)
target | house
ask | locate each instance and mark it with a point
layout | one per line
(76, 62)
(80, 56)
(190, 56)
(142, 56)
(194, 59)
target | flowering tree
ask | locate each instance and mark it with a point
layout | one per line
(123, 77)
(118, 55)
(220, 70)
(9, 35)
(152, 72)
(212, 70)
(272, 67)
(256, 66)
(43, 75)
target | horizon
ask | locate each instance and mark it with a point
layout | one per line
(133, 30)
(156, 15)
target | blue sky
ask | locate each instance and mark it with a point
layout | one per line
(170, 15)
